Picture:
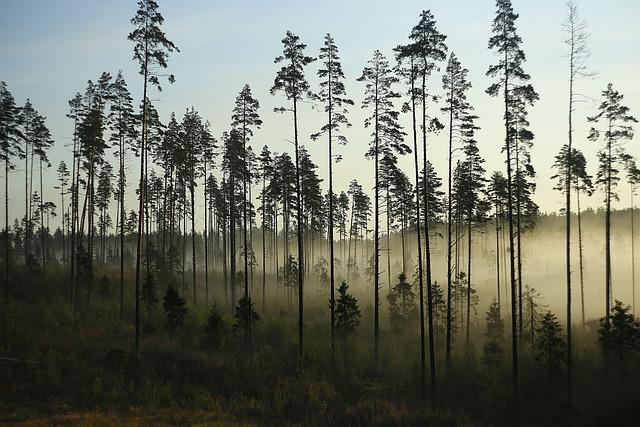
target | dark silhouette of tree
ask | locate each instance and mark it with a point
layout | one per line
(402, 304)
(214, 328)
(149, 294)
(245, 316)
(550, 349)
(619, 335)
(581, 184)
(151, 51)
(512, 82)
(577, 54)
(533, 313)
(243, 119)
(209, 149)
(408, 54)
(9, 148)
(493, 350)
(462, 131)
(193, 137)
(266, 173)
(63, 186)
(234, 166)
(347, 312)
(633, 179)
(290, 79)
(616, 120)
(333, 94)
(123, 135)
(388, 138)
(174, 308)
(497, 189)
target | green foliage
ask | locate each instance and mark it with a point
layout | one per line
(347, 312)
(402, 305)
(619, 335)
(214, 329)
(149, 294)
(493, 351)
(550, 347)
(174, 308)
(245, 315)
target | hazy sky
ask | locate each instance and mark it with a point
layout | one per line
(49, 49)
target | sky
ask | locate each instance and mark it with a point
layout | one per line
(49, 49)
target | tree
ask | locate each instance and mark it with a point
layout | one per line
(214, 328)
(149, 295)
(63, 182)
(550, 348)
(174, 308)
(193, 137)
(266, 165)
(245, 316)
(123, 133)
(243, 119)
(151, 51)
(497, 190)
(290, 79)
(387, 137)
(619, 335)
(333, 94)
(512, 81)
(462, 130)
(347, 312)
(577, 54)
(493, 351)
(402, 306)
(581, 184)
(616, 120)
(9, 148)
(633, 179)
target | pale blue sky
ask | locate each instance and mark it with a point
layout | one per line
(49, 49)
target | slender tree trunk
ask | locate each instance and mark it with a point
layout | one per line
(580, 256)
(568, 179)
(432, 362)
(300, 241)
(497, 256)
(141, 202)
(376, 272)
(449, 219)
(423, 376)
(514, 319)
(330, 236)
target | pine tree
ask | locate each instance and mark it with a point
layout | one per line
(347, 312)
(290, 79)
(9, 149)
(616, 121)
(266, 166)
(402, 305)
(387, 138)
(577, 54)
(151, 50)
(333, 94)
(193, 138)
(619, 335)
(512, 81)
(550, 347)
(174, 308)
(581, 184)
(243, 119)
(123, 134)
(493, 350)
(497, 190)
